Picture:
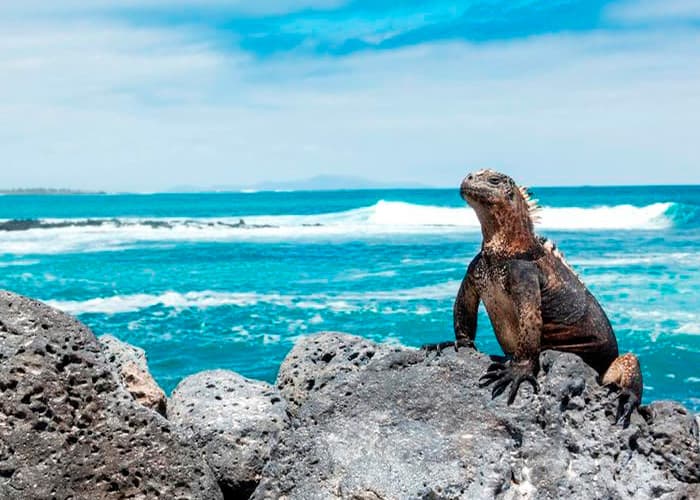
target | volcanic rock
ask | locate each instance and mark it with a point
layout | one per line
(132, 367)
(69, 429)
(404, 424)
(234, 421)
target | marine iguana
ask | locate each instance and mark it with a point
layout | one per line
(535, 301)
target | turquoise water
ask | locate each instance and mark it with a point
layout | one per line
(178, 275)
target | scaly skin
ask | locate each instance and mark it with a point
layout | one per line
(533, 298)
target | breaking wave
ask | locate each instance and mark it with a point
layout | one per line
(418, 300)
(340, 302)
(383, 218)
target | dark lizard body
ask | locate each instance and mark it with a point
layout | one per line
(533, 298)
(570, 318)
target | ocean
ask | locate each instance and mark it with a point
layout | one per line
(231, 280)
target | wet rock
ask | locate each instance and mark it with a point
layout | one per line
(234, 421)
(406, 424)
(131, 365)
(69, 429)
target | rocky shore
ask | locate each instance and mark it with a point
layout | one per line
(82, 418)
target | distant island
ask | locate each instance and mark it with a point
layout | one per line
(46, 191)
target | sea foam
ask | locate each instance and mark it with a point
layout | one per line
(380, 219)
(340, 302)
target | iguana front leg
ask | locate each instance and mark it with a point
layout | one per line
(523, 286)
(465, 312)
(625, 374)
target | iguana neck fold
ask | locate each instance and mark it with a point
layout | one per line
(508, 238)
(507, 229)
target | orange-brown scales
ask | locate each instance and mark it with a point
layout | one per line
(533, 298)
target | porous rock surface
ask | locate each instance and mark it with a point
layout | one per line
(235, 421)
(131, 365)
(69, 429)
(318, 360)
(403, 424)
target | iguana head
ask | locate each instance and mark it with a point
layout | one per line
(504, 209)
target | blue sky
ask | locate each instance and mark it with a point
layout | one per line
(145, 95)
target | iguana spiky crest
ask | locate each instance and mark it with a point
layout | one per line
(533, 206)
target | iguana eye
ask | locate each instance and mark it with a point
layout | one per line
(494, 181)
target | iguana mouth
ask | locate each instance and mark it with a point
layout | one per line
(470, 191)
(472, 188)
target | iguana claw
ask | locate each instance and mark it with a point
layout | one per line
(440, 346)
(504, 374)
(626, 403)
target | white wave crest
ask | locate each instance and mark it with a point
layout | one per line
(618, 260)
(399, 214)
(382, 218)
(623, 217)
(689, 328)
(341, 302)
(18, 263)
(132, 303)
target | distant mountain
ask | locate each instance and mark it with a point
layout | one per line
(317, 183)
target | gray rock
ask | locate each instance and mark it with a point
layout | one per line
(409, 425)
(234, 421)
(131, 365)
(69, 429)
(317, 360)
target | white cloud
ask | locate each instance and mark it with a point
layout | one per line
(116, 107)
(34, 7)
(655, 10)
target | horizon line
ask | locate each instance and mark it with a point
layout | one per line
(106, 192)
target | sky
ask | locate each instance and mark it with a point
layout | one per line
(145, 95)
